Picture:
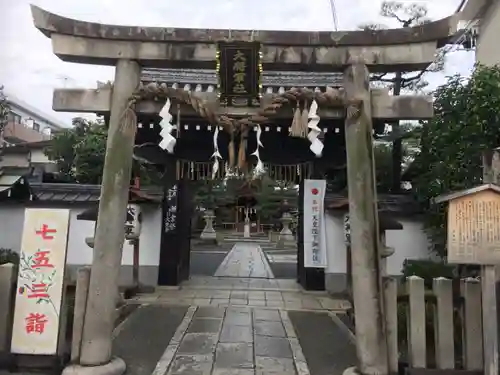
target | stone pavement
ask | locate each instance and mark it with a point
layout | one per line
(243, 321)
(233, 340)
(163, 339)
(245, 260)
(227, 291)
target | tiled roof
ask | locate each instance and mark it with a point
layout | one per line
(206, 80)
(79, 193)
(396, 203)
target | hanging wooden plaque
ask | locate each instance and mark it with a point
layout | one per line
(239, 70)
(474, 229)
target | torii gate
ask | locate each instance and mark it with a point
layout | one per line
(355, 53)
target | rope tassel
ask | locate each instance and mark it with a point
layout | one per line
(303, 121)
(231, 152)
(295, 130)
(242, 154)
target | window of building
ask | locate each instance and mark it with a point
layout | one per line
(14, 117)
(36, 126)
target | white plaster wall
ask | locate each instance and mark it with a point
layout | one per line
(11, 224)
(410, 243)
(18, 160)
(336, 252)
(38, 156)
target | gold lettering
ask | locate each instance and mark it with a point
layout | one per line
(239, 75)
(239, 89)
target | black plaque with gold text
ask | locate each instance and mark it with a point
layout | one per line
(239, 73)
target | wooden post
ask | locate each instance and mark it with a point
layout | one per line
(81, 294)
(443, 323)
(110, 232)
(136, 264)
(391, 318)
(371, 341)
(472, 326)
(491, 174)
(416, 322)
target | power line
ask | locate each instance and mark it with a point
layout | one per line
(334, 15)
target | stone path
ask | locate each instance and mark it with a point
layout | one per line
(240, 326)
(233, 340)
(243, 321)
(228, 291)
(245, 260)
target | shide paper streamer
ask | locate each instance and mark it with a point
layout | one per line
(314, 131)
(168, 142)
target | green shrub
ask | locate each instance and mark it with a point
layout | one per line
(428, 270)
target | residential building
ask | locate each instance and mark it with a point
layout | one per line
(27, 160)
(28, 124)
(482, 19)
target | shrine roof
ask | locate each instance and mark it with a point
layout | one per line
(463, 193)
(440, 30)
(272, 81)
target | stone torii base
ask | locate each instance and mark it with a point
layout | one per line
(116, 366)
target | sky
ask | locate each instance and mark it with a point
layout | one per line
(30, 72)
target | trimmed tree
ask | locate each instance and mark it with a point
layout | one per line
(407, 15)
(466, 122)
(4, 113)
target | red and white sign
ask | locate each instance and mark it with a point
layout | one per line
(314, 224)
(40, 282)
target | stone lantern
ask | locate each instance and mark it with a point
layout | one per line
(208, 232)
(385, 223)
(286, 236)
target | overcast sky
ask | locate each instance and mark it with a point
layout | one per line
(30, 71)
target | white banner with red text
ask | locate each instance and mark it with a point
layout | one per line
(314, 224)
(40, 282)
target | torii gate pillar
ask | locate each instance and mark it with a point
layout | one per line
(371, 342)
(110, 232)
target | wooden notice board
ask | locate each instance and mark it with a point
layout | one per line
(474, 229)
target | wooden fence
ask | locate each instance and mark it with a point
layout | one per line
(434, 326)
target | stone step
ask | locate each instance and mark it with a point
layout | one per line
(248, 240)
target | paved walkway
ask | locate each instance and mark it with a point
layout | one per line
(243, 321)
(233, 340)
(239, 341)
(243, 292)
(245, 260)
